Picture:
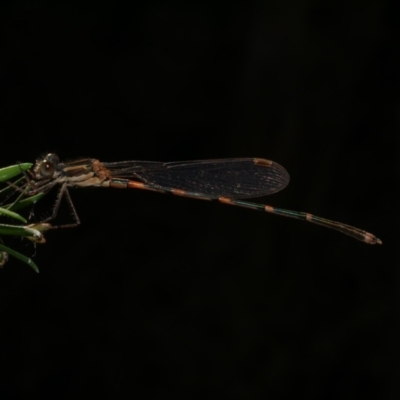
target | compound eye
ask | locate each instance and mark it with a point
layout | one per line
(46, 169)
(53, 159)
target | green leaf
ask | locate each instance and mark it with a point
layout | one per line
(19, 230)
(25, 202)
(20, 256)
(11, 214)
(7, 173)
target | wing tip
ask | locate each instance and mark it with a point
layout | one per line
(281, 171)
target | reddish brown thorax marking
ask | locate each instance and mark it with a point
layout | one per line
(97, 165)
(100, 171)
(269, 209)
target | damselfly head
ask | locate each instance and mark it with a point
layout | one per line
(46, 167)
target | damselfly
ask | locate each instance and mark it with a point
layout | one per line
(225, 180)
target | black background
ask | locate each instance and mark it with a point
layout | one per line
(159, 295)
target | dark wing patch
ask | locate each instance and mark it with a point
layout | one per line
(234, 178)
